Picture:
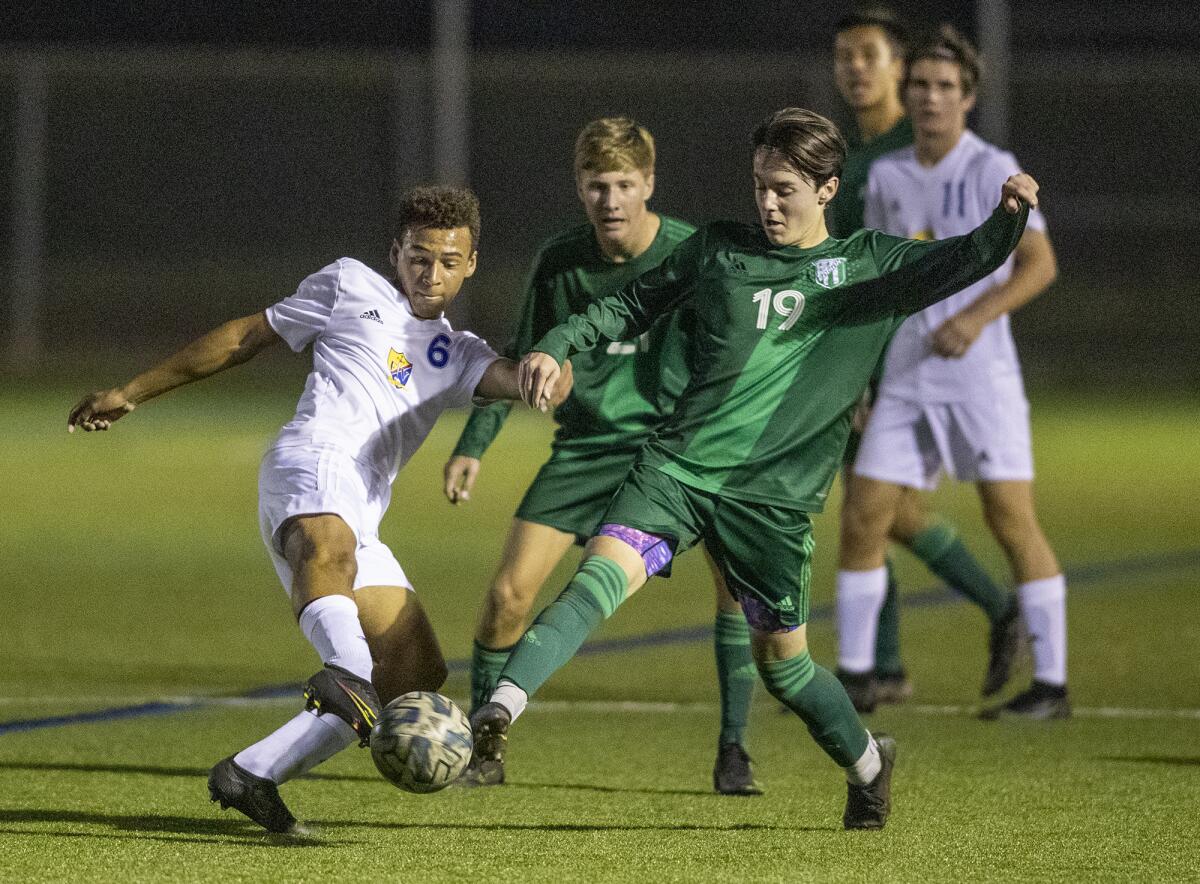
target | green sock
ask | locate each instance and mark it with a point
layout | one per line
(887, 639)
(735, 674)
(485, 670)
(943, 553)
(813, 693)
(595, 591)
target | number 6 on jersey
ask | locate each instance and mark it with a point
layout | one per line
(780, 302)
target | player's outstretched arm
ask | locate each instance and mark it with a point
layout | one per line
(224, 347)
(1034, 268)
(502, 381)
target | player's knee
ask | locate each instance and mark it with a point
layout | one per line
(863, 526)
(511, 600)
(333, 558)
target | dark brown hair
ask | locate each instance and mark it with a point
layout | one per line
(881, 17)
(443, 208)
(811, 144)
(947, 44)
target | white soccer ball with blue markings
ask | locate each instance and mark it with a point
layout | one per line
(421, 742)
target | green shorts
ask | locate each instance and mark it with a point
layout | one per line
(573, 489)
(764, 551)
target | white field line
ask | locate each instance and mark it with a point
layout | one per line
(601, 706)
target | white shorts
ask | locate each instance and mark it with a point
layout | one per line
(298, 480)
(984, 440)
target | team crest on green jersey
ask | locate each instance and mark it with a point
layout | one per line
(829, 272)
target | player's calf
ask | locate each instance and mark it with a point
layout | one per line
(336, 691)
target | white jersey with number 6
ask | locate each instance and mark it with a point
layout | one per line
(950, 198)
(381, 376)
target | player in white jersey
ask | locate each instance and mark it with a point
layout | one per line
(951, 396)
(386, 364)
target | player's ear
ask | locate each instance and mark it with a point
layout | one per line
(969, 102)
(470, 268)
(649, 185)
(827, 191)
(394, 254)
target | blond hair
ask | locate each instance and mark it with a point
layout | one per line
(613, 144)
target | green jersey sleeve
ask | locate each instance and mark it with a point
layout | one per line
(634, 308)
(486, 420)
(915, 274)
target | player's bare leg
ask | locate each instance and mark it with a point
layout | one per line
(531, 553)
(341, 703)
(732, 772)
(612, 570)
(1009, 511)
(402, 642)
(867, 516)
(818, 698)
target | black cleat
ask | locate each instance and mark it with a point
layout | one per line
(1041, 702)
(335, 691)
(1004, 642)
(892, 687)
(868, 807)
(258, 798)
(733, 774)
(860, 686)
(489, 725)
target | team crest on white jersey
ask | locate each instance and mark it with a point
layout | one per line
(399, 369)
(829, 272)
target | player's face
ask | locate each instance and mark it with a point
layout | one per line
(934, 97)
(865, 69)
(615, 203)
(790, 209)
(431, 264)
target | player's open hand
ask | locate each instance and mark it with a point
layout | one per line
(536, 376)
(97, 411)
(460, 472)
(1017, 189)
(955, 336)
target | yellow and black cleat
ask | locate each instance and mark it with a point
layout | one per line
(336, 691)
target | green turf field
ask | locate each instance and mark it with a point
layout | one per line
(132, 572)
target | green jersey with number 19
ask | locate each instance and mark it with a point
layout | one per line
(622, 391)
(785, 342)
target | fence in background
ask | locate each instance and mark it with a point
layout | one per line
(153, 193)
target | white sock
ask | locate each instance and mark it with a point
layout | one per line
(860, 596)
(867, 768)
(331, 624)
(297, 747)
(1044, 607)
(510, 697)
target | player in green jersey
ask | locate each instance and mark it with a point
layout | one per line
(869, 49)
(790, 326)
(622, 393)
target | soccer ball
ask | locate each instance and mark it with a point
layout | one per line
(422, 742)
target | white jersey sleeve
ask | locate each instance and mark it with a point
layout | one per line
(301, 317)
(998, 167)
(475, 355)
(874, 207)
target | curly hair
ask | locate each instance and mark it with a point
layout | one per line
(811, 144)
(440, 207)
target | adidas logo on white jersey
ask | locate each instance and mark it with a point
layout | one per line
(372, 315)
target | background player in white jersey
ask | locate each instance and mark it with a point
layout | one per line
(951, 396)
(386, 363)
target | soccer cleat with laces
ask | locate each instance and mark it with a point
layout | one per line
(1040, 702)
(1004, 642)
(868, 807)
(733, 774)
(860, 686)
(489, 725)
(256, 797)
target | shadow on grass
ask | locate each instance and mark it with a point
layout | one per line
(568, 827)
(185, 830)
(1175, 760)
(590, 787)
(157, 770)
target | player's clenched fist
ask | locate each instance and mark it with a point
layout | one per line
(537, 376)
(97, 411)
(1018, 188)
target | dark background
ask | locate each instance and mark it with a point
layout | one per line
(201, 161)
